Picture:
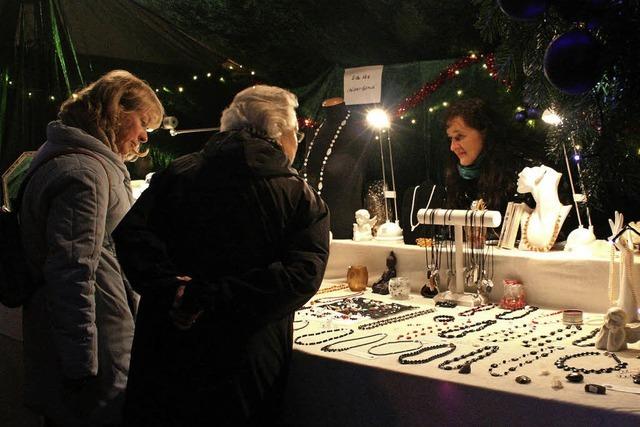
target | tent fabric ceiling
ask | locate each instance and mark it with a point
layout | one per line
(291, 42)
(125, 30)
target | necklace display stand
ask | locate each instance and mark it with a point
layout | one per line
(459, 218)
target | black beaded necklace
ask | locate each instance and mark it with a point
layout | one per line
(474, 310)
(479, 354)
(298, 340)
(465, 329)
(503, 315)
(544, 339)
(520, 361)
(306, 323)
(404, 359)
(383, 322)
(579, 341)
(331, 347)
(443, 318)
(508, 334)
(393, 352)
(561, 363)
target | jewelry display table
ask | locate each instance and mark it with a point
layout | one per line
(353, 388)
(555, 279)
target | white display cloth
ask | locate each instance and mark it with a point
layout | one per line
(348, 388)
(555, 279)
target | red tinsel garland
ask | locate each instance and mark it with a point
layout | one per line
(427, 89)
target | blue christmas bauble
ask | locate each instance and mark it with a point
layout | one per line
(520, 116)
(534, 113)
(523, 10)
(572, 62)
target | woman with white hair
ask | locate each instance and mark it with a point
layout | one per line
(223, 247)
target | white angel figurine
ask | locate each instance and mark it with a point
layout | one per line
(363, 226)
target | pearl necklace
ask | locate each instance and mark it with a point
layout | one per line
(548, 246)
(327, 154)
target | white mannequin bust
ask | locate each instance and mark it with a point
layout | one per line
(362, 226)
(540, 226)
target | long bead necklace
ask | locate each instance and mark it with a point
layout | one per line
(332, 347)
(405, 359)
(384, 322)
(333, 288)
(343, 333)
(520, 361)
(479, 354)
(465, 329)
(561, 363)
(503, 315)
(549, 337)
(474, 310)
(327, 154)
(508, 334)
(388, 353)
(579, 341)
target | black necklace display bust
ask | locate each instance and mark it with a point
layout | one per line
(345, 167)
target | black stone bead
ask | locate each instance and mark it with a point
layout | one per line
(574, 377)
(523, 379)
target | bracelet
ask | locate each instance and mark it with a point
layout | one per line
(404, 358)
(443, 318)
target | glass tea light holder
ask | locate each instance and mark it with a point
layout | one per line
(357, 277)
(514, 296)
(399, 287)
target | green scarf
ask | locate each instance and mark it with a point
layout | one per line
(473, 170)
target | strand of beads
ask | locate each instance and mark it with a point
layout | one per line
(405, 359)
(519, 361)
(544, 339)
(306, 323)
(503, 315)
(333, 288)
(479, 354)
(443, 318)
(561, 363)
(474, 310)
(391, 343)
(331, 347)
(383, 322)
(591, 334)
(465, 329)
(343, 333)
(510, 333)
(537, 320)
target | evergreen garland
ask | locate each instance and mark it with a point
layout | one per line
(604, 121)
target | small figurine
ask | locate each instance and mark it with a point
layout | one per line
(362, 226)
(381, 286)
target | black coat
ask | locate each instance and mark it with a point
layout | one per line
(255, 238)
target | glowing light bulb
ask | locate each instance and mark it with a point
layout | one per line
(378, 119)
(551, 117)
(180, 89)
(459, 92)
(195, 77)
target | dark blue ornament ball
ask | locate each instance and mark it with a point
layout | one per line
(533, 113)
(572, 62)
(520, 116)
(523, 10)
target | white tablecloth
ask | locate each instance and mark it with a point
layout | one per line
(348, 389)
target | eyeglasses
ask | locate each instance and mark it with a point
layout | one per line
(299, 136)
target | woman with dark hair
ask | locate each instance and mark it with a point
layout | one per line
(78, 324)
(483, 164)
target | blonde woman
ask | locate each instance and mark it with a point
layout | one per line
(78, 325)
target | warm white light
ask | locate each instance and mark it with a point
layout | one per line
(53, 98)
(208, 74)
(431, 109)
(484, 66)
(195, 77)
(413, 121)
(74, 96)
(30, 94)
(456, 72)
(253, 73)
(221, 79)
(180, 89)
(459, 92)
(445, 104)
(550, 116)
(378, 118)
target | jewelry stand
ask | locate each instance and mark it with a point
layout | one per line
(459, 218)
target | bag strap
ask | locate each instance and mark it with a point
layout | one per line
(32, 171)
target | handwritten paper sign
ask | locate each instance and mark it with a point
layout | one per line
(363, 85)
